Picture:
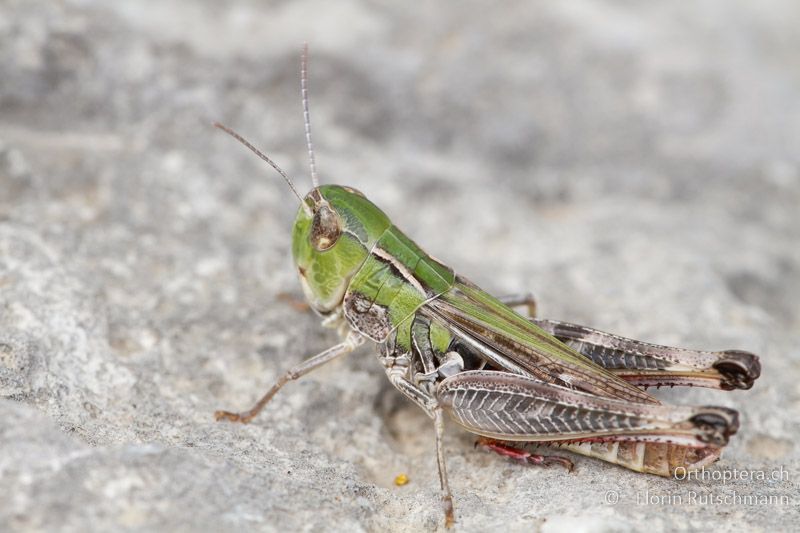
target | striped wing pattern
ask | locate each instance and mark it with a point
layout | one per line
(467, 310)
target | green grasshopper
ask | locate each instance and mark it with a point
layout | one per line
(449, 346)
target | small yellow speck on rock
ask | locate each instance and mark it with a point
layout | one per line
(401, 480)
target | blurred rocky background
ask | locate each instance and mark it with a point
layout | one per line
(636, 165)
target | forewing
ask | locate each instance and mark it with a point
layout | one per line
(470, 312)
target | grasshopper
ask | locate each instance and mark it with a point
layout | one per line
(450, 347)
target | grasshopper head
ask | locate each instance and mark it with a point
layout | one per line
(335, 229)
(331, 240)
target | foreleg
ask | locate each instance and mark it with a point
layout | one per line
(352, 341)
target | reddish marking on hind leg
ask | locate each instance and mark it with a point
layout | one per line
(518, 454)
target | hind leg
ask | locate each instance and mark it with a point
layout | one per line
(519, 454)
(646, 364)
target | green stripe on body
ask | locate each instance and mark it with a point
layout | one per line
(400, 276)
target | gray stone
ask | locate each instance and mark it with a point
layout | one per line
(636, 166)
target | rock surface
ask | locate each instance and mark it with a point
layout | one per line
(636, 166)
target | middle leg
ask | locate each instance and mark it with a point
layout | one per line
(431, 407)
(523, 299)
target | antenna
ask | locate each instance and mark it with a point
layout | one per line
(256, 151)
(306, 117)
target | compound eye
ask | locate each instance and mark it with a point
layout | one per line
(325, 229)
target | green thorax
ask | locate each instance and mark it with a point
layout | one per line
(369, 266)
(394, 281)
